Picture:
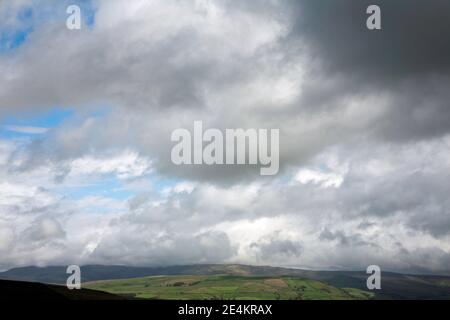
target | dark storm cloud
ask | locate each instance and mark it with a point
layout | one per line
(274, 247)
(408, 60)
(413, 40)
(343, 239)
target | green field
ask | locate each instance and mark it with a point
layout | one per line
(226, 287)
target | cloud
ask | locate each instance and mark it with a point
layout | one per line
(273, 248)
(44, 229)
(377, 220)
(326, 180)
(125, 165)
(343, 239)
(407, 60)
(409, 44)
(364, 133)
(27, 129)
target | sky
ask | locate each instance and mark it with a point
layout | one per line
(86, 118)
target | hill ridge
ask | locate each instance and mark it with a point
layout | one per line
(394, 285)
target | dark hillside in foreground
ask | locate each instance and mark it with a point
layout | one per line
(18, 290)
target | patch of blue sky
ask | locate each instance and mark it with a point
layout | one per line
(49, 119)
(19, 126)
(161, 184)
(109, 187)
(25, 14)
(12, 39)
(30, 17)
(88, 12)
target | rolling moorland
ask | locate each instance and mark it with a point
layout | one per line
(227, 288)
(238, 282)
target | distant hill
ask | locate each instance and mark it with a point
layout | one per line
(394, 286)
(18, 290)
(98, 272)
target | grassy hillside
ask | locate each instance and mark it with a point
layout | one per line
(394, 285)
(227, 287)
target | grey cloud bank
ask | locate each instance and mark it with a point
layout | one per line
(364, 139)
